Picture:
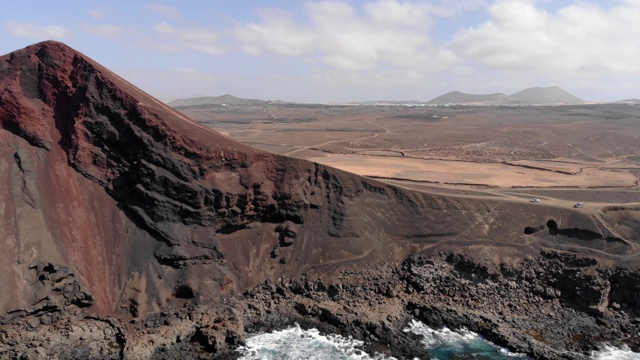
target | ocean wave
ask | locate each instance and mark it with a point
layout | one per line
(297, 343)
(445, 343)
(614, 353)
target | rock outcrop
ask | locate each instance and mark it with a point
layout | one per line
(130, 231)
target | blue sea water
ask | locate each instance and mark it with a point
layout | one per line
(446, 344)
(442, 344)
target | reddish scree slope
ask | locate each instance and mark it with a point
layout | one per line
(111, 200)
(88, 131)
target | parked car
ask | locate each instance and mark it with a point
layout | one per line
(578, 205)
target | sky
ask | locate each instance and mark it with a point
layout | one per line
(339, 51)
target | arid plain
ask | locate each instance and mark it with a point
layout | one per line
(560, 154)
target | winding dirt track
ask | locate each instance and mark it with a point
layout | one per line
(508, 195)
(368, 121)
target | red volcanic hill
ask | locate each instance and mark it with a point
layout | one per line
(136, 205)
(99, 178)
(116, 208)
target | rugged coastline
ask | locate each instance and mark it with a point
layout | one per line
(556, 306)
(132, 232)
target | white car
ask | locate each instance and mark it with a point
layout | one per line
(534, 200)
(578, 205)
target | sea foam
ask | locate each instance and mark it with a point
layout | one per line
(446, 343)
(442, 344)
(613, 353)
(297, 343)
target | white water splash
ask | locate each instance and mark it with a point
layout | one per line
(445, 342)
(444, 336)
(296, 343)
(613, 353)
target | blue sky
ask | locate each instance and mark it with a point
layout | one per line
(337, 51)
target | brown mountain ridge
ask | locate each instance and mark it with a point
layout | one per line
(130, 231)
(552, 95)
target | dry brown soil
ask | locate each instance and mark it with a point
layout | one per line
(561, 154)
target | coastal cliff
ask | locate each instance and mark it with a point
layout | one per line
(130, 231)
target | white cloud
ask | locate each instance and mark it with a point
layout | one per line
(97, 13)
(164, 10)
(107, 30)
(165, 28)
(581, 39)
(183, 69)
(452, 8)
(342, 49)
(198, 39)
(168, 48)
(386, 12)
(36, 31)
(508, 45)
(381, 34)
(278, 34)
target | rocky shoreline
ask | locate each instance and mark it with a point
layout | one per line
(131, 232)
(556, 306)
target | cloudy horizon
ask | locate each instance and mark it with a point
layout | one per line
(339, 51)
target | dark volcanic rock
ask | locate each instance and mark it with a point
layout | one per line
(130, 231)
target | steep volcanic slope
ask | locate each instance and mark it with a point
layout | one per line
(120, 193)
(115, 206)
(130, 197)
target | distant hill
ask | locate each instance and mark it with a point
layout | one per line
(218, 100)
(628, 101)
(535, 95)
(545, 95)
(457, 97)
